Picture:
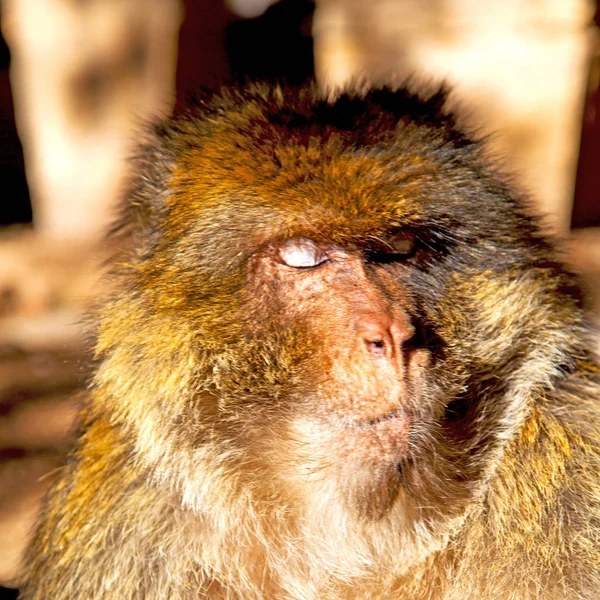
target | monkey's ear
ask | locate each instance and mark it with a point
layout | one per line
(148, 188)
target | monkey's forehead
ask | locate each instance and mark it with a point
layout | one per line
(296, 131)
(351, 193)
(389, 156)
(283, 161)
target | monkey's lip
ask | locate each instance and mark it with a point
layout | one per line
(393, 415)
(377, 437)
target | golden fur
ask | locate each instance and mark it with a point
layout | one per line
(237, 445)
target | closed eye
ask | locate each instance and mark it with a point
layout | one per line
(302, 253)
(393, 247)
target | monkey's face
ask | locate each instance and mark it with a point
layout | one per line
(363, 297)
(360, 357)
(336, 348)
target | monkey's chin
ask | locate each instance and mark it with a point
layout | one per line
(370, 490)
(360, 458)
(371, 455)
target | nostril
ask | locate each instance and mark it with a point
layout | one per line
(376, 347)
(374, 330)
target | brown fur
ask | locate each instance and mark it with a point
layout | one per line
(414, 417)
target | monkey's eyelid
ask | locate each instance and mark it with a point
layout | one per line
(393, 249)
(402, 242)
(399, 243)
(302, 254)
(403, 245)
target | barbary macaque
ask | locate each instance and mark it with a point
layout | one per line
(341, 363)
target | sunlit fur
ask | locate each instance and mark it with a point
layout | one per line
(237, 444)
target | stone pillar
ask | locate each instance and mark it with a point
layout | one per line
(84, 76)
(519, 67)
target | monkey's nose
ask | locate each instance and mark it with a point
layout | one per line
(384, 336)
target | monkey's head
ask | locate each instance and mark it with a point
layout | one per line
(338, 307)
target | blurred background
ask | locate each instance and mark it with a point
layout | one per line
(79, 77)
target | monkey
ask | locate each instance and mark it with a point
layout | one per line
(341, 360)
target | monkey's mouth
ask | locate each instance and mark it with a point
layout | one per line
(366, 423)
(374, 439)
(370, 452)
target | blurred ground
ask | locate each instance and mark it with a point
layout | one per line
(45, 291)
